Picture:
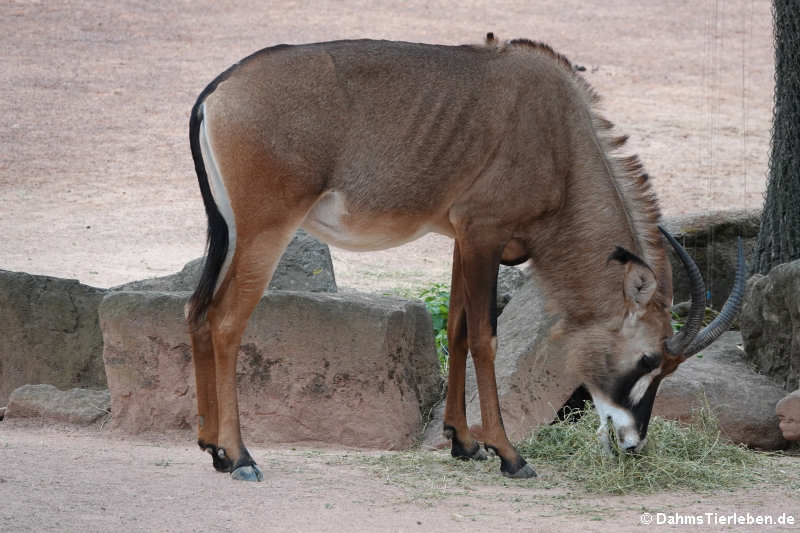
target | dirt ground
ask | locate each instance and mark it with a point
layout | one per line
(65, 479)
(96, 179)
(96, 183)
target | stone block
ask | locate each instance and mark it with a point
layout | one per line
(711, 239)
(743, 400)
(352, 369)
(305, 266)
(49, 333)
(74, 406)
(770, 322)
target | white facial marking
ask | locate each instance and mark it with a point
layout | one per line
(619, 417)
(220, 194)
(624, 425)
(641, 386)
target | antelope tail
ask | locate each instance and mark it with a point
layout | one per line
(218, 232)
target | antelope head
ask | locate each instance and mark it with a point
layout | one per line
(625, 374)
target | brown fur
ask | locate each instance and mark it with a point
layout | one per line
(371, 143)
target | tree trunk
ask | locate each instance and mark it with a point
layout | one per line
(779, 235)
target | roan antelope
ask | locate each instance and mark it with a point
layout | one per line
(371, 144)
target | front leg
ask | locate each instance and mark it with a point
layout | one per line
(464, 445)
(479, 266)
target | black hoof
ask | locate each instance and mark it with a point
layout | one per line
(222, 462)
(459, 451)
(516, 468)
(247, 473)
(523, 473)
(245, 466)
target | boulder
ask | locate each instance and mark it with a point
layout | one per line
(305, 266)
(509, 279)
(770, 322)
(711, 239)
(349, 369)
(49, 333)
(788, 411)
(743, 400)
(533, 380)
(74, 406)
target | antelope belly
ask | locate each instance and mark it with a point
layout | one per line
(332, 221)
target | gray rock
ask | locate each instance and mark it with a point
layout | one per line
(185, 280)
(770, 322)
(533, 380)
(711, 240)
(509, 279)
(74, 406)
(350, 369)
(743, 400)
(305, 266)
(48, 333)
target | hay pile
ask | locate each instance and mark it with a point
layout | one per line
(693, 457)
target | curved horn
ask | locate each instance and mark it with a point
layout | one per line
(729, 311)
(677, 344)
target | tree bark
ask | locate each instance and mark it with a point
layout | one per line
(779, 236)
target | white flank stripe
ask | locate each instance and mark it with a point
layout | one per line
(219, 193)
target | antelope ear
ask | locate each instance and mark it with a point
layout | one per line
(639, 284)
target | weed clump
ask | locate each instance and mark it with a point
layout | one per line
(437, 300)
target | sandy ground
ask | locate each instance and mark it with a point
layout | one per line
(96, 180)
(65, 479)
(96, 183)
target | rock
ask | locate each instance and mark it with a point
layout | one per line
(305, 266)
(788, 411)
(74, 406)
(48, 333)
(509, 279)
(185, 280)
(355, 370)
(770, 322)
(717, 260)
(533, 381)
(743, 401)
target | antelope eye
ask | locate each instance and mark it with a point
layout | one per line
(650, 361)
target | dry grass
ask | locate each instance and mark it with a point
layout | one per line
(568, 455)
(677, 457)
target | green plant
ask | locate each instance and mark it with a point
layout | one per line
(677, 322)
(437, 300)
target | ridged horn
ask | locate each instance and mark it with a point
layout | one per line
(725, 318)
(679, 342)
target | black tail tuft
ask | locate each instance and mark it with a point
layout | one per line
(217, 240)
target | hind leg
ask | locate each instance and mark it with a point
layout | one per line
(206, 380)
(252, 267)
